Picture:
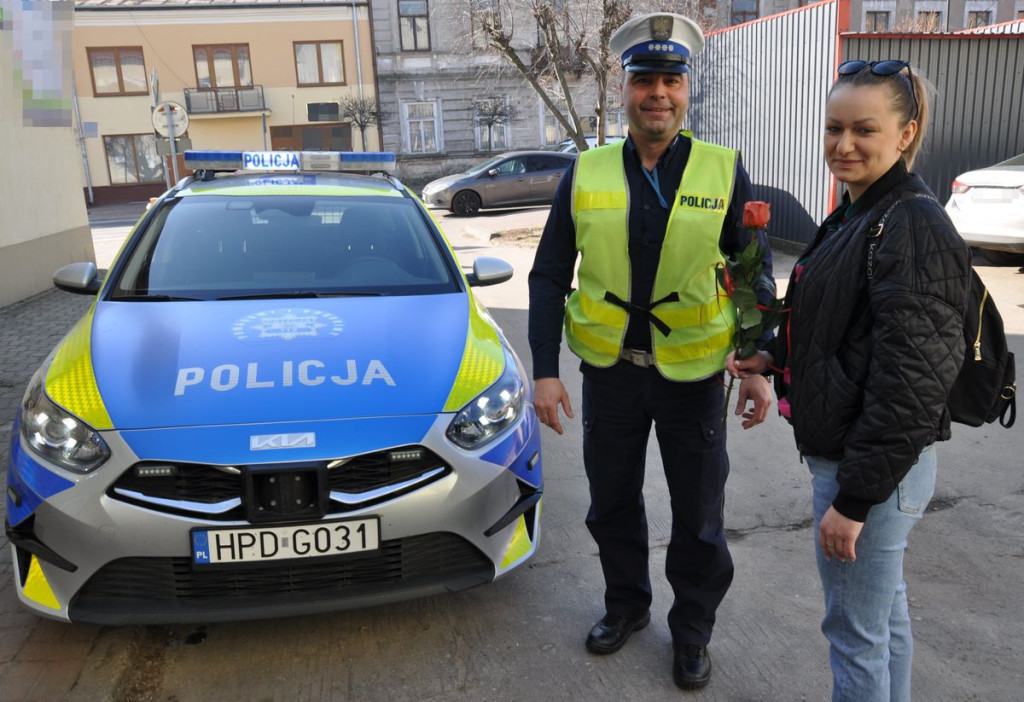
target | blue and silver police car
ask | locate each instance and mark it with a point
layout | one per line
(284, 399)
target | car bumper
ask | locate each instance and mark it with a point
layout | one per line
(441, 200)
(1004, 233)
(85, 553)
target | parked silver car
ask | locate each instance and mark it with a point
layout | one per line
(513, 179)
(987, 207)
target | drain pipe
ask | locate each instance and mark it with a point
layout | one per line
(359, 65)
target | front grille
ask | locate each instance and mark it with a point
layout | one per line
(211, 485)
(137, 588)
(372, 471)
(192, 483)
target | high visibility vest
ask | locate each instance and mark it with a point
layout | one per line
(691, 322)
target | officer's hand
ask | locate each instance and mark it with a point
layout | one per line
(548, 394)
(756, 389)
(755, 365)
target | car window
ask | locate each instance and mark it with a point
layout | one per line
(484, 166)
(1017, 160)
(512, 166)
(213, 246)
(547, 162)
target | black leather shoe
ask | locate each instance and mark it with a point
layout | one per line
(611, 633)
(691, 666)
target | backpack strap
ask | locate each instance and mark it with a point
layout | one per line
(875, 233)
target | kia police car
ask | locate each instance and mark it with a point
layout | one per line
(284, 399)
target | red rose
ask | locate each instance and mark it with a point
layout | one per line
(756, 214)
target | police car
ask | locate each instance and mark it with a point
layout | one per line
(284, 399)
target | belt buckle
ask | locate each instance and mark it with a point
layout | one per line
(637, 357)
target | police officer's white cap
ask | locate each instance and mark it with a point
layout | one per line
(661, 42)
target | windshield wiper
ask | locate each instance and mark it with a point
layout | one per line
(298, 294)
(155, 298)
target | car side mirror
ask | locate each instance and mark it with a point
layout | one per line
(493, 172)
(489, 271)
(81, 278)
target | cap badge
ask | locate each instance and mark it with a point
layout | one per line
(661, 27)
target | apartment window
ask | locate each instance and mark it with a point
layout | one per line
(491, 118)
(412, 20)
(876, 21)
(421, 127)
(132, 158)
(117, 71)
(1020, 14)
(225, 66)
(319, 63)
(744, 11)
(551, 131)
(481, 12)
(979, 18)
(929, 21)
(615, 122)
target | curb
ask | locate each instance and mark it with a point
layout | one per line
(484, 235)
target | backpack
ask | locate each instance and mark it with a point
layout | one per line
(985, 388)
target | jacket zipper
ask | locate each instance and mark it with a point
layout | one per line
(977, 341)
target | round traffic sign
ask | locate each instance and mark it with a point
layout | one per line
(170, 117)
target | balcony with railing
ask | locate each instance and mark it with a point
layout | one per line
(207, 101)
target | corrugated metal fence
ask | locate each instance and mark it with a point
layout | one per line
(760, 87)
(977, 117)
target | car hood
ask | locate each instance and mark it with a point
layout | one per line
(1001, 177)
(446, 182)
(164, 364)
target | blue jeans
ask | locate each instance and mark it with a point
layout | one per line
(867, 622)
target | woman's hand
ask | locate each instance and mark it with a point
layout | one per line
(837, 536)
(744, 368)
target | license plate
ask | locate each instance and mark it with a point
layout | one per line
(261, 544)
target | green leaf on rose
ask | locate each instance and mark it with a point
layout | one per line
(750, 318)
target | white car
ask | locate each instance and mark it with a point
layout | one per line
(568, 146)
(987, 207)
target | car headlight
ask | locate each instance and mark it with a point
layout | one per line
(56, 434)
(431, 188)
(490, 412)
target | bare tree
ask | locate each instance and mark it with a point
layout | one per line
(362, 112)
(492, 112)
(553, 45)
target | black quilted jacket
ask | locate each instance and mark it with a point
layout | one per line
(872, 364)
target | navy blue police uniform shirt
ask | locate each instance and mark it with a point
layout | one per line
(555, 261)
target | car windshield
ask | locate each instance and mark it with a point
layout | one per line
(485, 166)
(1017, 160)
(216, 247)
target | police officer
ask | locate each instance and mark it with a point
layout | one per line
(650, 217)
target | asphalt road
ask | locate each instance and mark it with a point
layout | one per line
(521, 638)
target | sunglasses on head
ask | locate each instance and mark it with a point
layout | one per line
(887, 67)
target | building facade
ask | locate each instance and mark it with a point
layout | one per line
(439, 83)
(931, 15)
(256, 76)
(44, 224)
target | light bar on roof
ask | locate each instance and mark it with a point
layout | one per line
(276, 161)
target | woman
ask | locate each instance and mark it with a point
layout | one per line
(873, 344)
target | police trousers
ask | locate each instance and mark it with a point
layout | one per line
(619, 405)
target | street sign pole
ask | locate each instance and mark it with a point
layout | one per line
(174, 140)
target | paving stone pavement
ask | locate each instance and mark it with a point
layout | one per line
(29, 330)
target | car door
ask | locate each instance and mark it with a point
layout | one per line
(545, 170)
(506, 184)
